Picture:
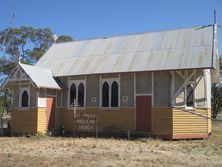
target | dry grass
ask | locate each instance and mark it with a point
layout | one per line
(49, 151)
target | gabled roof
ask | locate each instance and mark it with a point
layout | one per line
(188, 48)
(43, 78)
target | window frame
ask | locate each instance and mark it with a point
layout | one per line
(78, 91)
(109, 81)
(113, 100)
(103, 95)
(192, 84)
(77, 83)
(70, 92)
(21, 90)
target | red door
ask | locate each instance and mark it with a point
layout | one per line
(50, 113)
(143, 113)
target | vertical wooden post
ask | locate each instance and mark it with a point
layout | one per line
(74, 115)
(1, 124)
(97, 119)
(128, 134)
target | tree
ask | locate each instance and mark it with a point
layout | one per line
(64, 38)
(25, 43)
(216, 98)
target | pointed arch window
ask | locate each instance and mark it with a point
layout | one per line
(72, 94)
(76, 93)
(114, 94)
(105, 95)
(81, 95)
(190, 96)
(25, 99)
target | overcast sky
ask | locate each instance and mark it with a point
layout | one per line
(83, 19)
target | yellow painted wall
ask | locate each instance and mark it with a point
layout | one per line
(165, 121)
(162, 121)
(209, 121)
(24, 121)
(41, 120)
(31, 120)
(123, 119)
(172, 122)
(187, 123)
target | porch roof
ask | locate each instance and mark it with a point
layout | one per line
(42, 77)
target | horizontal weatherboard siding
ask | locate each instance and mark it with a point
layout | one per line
(187, 123)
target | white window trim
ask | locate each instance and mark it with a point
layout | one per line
(21, 90)
(109, 81)
(77, 83)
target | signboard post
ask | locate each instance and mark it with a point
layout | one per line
(74, 114)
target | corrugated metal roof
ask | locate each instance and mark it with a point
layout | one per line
(161, 50)
(43, 78)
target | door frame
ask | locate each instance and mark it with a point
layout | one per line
(144, 94)
(52, 96)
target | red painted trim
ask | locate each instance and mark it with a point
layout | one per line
(191, 136)
(183, 136)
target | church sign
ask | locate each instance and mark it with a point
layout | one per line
(86, 122)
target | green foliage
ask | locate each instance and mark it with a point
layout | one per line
(5, 101)
(216, 99)
(64, 38)
(25, 43)
(28, 43)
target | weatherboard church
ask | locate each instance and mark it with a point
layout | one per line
(157, 83)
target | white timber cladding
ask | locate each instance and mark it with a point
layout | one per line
(109, 81)
(207, 81)
(22, 88)
(77, 82)
(191, 78)
(16, 75)
(19, 75)
(41, 98)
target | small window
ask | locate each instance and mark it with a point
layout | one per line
(81, 95)
(190, 96)
(25, 99)
(72, 94)
(114, 94)
(105, 95)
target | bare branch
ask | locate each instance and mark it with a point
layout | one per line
(9, 28)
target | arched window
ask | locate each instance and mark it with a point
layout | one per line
(72, 94)
(105, 95)
(114, 94)
(25, 99)
(190, 96)
(81, 95)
